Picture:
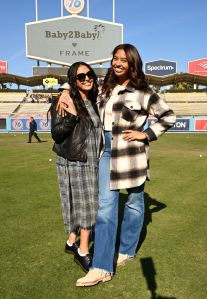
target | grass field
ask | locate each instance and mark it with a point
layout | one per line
(171, 261)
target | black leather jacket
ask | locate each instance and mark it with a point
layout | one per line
(70, 136)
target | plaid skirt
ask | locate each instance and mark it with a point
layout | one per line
(78, 186)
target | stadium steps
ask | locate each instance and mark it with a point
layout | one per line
(190, 108)
(34, 108)
(12, 97)
(8, 108)
(184, 97)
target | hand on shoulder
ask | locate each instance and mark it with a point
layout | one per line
(65, 104)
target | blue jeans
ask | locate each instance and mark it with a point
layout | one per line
(107, 218)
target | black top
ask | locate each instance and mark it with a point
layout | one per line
(33, 126)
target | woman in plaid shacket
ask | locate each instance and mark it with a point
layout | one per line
(125, 103)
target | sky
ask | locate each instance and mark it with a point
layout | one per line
(162, 29)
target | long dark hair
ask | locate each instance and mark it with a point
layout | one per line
(136, 74)
(75, 94)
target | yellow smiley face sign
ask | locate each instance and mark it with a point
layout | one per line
(74, 6)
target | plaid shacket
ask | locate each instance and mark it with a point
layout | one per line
(129, 164)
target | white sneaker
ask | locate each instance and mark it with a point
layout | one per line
(93, 277)
(123, 258)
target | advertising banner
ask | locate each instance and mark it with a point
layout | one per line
(50, 81)
(3, 66)
(74, 6)
(160, 68)
(42, 70)
(198, 67)
(201, 125)
(22, 124)
(182, 124)
(72, 38)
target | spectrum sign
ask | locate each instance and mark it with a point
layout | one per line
(198, 67)
(3, 66)
(160, 68)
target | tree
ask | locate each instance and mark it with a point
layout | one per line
(182, 85)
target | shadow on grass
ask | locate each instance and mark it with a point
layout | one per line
(149, 272)
(42, 141)
(151, 206)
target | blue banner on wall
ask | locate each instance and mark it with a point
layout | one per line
(22, 124)
(182, 124)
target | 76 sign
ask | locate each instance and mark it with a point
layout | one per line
(74, 6)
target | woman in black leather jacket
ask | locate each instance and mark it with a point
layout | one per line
(77, 136)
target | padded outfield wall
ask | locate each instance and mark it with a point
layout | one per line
(21, 124)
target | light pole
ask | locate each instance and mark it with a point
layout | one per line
(61, 8)
(87, 8)
(36, 9)
(113, 11)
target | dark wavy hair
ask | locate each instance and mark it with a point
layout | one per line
(136, 74)
(75, 94)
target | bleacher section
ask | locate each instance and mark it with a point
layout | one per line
(190, 109)
(34, 108)
(185, 97)
(19, 103)
(7, 97)
(8, 108)
(187, 104)
(38, 98)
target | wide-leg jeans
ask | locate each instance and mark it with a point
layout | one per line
(107, 218)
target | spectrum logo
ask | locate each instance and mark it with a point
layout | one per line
(160, 68)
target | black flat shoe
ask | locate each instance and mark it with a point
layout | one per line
(84, 261)
(71, 249)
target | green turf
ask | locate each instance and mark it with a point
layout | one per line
(171, 261)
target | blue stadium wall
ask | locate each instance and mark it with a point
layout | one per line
(183, 124)
(22, 125)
